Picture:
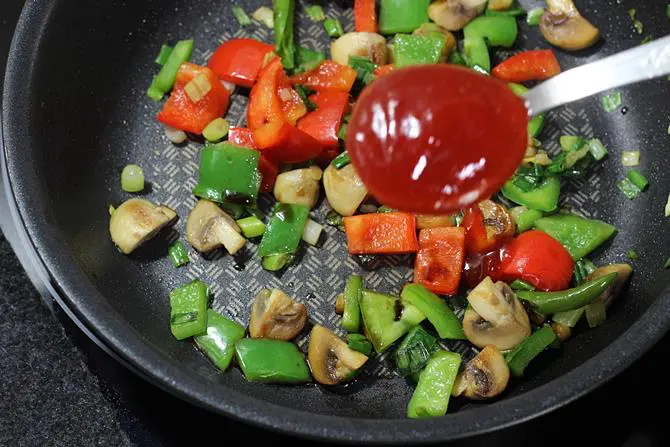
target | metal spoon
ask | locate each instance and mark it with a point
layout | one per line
(639, 64)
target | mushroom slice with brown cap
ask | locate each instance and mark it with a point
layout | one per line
(369, 45)
(344, 188)
(209, 227)
(484, 377)
(453, 15)
(136, 221)
(330, 358)
(275, 315)
(299, 187)
(563, 26)
(498, 222)
(495, 316)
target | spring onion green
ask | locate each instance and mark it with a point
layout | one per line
(315, 12)
(359, 343)
(178, 254)
(333, 27)
(241, 16)
(308, 60)
(251, 227)
(534, 16)
(275, 263)
(612, 101)
(216, 130)
(639, 27)
(264, 15)
(132, 178)
(163, 55)
(415, 351)
(629, 189)
(341, 160)
(630, 158)
(638, 179)
(364, 68)
(597, 149)
(164, 81)
(351, 316)
(632, 254)
(285, 47)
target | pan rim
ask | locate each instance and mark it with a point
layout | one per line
(90, 309)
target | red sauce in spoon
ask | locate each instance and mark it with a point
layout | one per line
(436, 138)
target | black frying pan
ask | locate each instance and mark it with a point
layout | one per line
(74, 113)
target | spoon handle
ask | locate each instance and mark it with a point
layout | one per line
(641, 63)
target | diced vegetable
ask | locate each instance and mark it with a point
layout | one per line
(539, 259)
(239, 60)
(476, 54)
(630, 158)
(415, 351)
(176, 136)
(209, 227)
(563, 26)
(353, 291)
(218, 343)
(518, 284)
(629, 189)
(498, 31)
(264, 15)
(578, 235)
(276, 316)
(299, 187)
(542, 198)
(166, 77)
(638, 179)
(524, 218)
(583, 268)
(439, 261)
(379, 312)
(431, 396)
(390, 233)
(519, 358)
(216, 130)
(241, 16)
(359, 343)
(341, 160)
(532, 65)
(417, 50)
(484, 377)
(163, 55)
(312, 232)
(271, 361)
(308, 60)
(323, 124)
(435, 310)
(315, 12)
(344, 189)
(188, 310)
(284, 231)
(328, 77)
(370, 46)
(136, 221)
(402, 16)
(229, 174)
(612, 101)
(284, 15)
(549, 303)
(597, 149)
(639, 27)
(331, 359)
(132, 178)
(333, 27)
(251, 226)
(178, 254)
(534, 16)
(365, 17)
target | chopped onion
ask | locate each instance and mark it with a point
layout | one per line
(667, 208)
(312, 232)
(229, 86)
(132, 179)
(198, 88)
(265, 15)
(630, 159)
(175, 135)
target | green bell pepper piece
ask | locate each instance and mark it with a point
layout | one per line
(431, 396)
(351, 318)
(359, 343)
(549, 303)
(379, 313)
(519, 358)
(164, 81)
(284, 16)
(219, 342)
(188, 309)
(410, 49)
(415, 351)
(284, 231)
(578, 235)
(542, 198)
(402, 16)
(476, 54)
(251, 227)
(524, 218)
(536, 124)
(228, 173)
(498, 31)
(436, 311)
(271, 361)
(178, 254)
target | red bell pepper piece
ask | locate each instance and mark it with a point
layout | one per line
(182, 113)
(365, 19)
(477, 239)
(264, 103)
(533, 65)
(328, 77)
(324, 122)
(387, 233)
(328, 155)
(239, 60)
(268, 168)
(480, 265)
(384, 70)
(281, 141)
(539, 259)
(439, 262)
(292, 104)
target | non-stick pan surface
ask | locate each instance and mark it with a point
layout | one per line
(75, 112)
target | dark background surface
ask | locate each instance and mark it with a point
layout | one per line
(58, 388)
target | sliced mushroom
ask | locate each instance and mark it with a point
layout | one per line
(330, 358)
(500, 5)
(453, 15)
(209, 227)
(495, 316)
(299, 187)
(484, 377)
(425, 221)
(450, 43)
(498, 221)
(563, 26)
(275, 315)
(136, 221)
(623, 272)
(344, 189)
(370, 45)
